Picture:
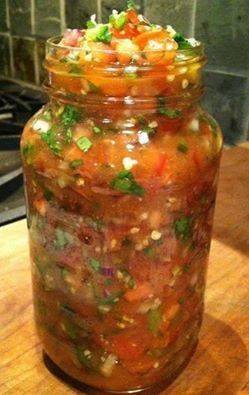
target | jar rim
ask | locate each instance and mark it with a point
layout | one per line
(197, 50)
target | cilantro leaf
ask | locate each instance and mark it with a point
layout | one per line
(131, 5)
(50, 138)
(95, 265)
(125, 182)
(183, 228)
(84, 144)
(104, 35)
(169, 112)
(119, 21)
(182, 42)
(74, 164)
(70, 115)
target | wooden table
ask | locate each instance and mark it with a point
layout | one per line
(220, 364)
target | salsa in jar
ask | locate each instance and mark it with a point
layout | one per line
(121, 172)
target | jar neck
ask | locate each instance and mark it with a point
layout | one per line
(116, 85)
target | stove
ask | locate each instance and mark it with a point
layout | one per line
(17, 104)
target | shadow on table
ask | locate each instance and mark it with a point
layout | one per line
(218, 366)
(232, 206)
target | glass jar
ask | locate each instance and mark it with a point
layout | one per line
(121, 173)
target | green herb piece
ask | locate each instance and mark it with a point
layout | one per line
(68, 135)
(70, 329)
(75, 70)
(90, 24)
(65, 273)
(125, 182)
(181, 300)
(104, 35)
(111, 299)
(95, 265)
(48, 194)
(70, 115)
(148, 251)
(97, 130)
(74, 164)
(50, 138)
(154, 321)
(93, 88)
(182, 147)
(119, 21)
(182, 42)
(171, 113)
(150, 131)
(84, 143)
(183, 228)
(41, 266)
(142, 120)
(63, 60)
(47, 116)
(61, 239)
(85, 357)
(28, 152)
(131, 5)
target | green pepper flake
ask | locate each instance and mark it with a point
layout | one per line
(181, 300)
(154, 321)
(48, 194)
(183, 228)
(61, 239)
(84, 356)
(182, 42)
(118, 21)
(171, 113)
(70, 329)
(95, 265)
(70, 115)
(104, 35)
(125, 182)
(75, 70)
(74, 164)
(50, 138)
(148, 251)
(182, 147)
(28, 151)
(68, 135)
(93, 88)
(84, 143)
(97, 130)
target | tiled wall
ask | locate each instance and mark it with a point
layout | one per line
(222, 24)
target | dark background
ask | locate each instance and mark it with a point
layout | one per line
(223, 25)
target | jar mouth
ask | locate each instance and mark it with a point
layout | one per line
(182, 55)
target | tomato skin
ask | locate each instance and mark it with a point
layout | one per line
(129, 346)
(133, 17)
(161, 165)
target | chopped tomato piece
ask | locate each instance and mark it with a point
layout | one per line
(157, 35)
(142, 291)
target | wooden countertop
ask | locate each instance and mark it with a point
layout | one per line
(220, 364)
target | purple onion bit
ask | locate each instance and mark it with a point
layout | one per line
(107, 271)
